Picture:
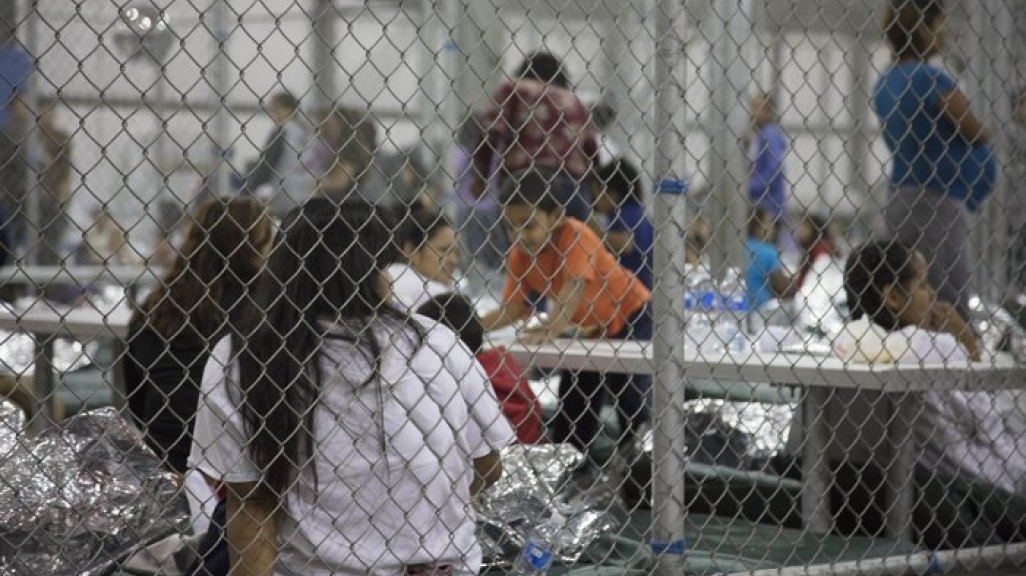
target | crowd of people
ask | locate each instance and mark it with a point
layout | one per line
(310, 353)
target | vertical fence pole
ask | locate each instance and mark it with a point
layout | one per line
(859, 141)
(1001, 24)
(325, 85)
(730, 25)
(442, 104)
(220, 83)
(31, 145)
(615, 68)
(981, 65)
(668, 453)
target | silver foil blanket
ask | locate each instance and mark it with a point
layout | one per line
(998, 330)
(536, 482)
(742, 435)
(77, 499)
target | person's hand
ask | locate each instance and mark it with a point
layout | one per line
(943, 317)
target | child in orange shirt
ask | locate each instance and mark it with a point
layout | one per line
(586, 288)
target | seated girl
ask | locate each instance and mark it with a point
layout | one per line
(170, 335)
(350, 437)
(519, 403)
(965, 438)
(429, 259)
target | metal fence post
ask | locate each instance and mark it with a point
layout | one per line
(220, 84)
(667, 301)
(729, 24)
(668, 451)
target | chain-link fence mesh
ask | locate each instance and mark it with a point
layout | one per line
(335, 287)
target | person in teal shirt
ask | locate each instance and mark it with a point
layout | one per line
(765, 278)
(942, 166)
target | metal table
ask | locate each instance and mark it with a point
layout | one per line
(817, 376)
(46, 323)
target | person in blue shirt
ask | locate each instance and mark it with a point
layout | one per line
(767, 148)
(628, 234)
(942, 166)
(765, 277)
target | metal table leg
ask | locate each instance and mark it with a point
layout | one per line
(119, 393)
(815, 463)
(900, 481)
(43, 383)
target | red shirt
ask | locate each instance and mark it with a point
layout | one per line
(519, 404)
(537, 124)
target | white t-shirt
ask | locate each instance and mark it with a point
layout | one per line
(411, 290)
(393, 457)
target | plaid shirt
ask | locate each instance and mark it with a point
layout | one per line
(536, 124)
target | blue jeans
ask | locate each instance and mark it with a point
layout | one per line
(582, 395)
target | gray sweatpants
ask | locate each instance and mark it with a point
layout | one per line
(938, 227)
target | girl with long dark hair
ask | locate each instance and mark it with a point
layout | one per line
(171, 334)
(349, 436)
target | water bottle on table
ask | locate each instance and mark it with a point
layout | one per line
(701, 305)
(730, 325)
(732, 322)
(543, 543)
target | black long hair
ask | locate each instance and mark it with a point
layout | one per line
(622, 179)
(325, 270)
(457, 313)
(418, 225)
(208, 283)
(871, 268)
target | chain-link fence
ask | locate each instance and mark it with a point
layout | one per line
(641, 287)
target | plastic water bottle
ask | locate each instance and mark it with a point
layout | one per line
(729, 325)
(695, 277)
(541, 548)
(733, 288)
(732, 322)
(702, 326)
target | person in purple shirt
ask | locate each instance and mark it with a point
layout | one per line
(767, 186)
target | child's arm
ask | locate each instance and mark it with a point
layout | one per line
(508, 313)
(955, 107)
(561, 311)
(944, 318)
(252, 530)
